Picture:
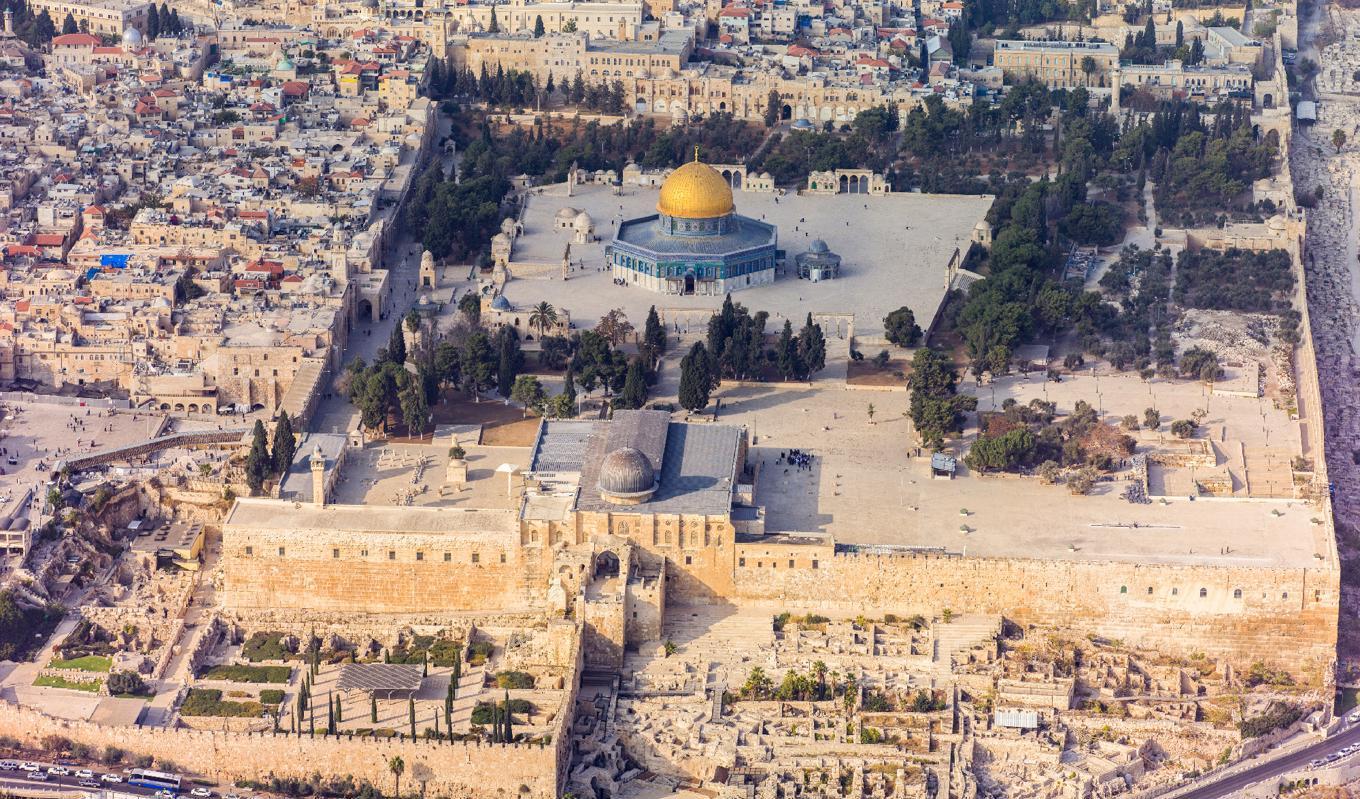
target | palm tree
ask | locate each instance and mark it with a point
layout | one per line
(1088, 65)
(542, 317)
(398, 767)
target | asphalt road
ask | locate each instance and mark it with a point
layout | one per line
(1275, 767)
(21, 780)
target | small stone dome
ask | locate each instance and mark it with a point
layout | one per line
(583, 222)
(626, 476)
(132, 37)
(500, 303)
(566, 213)
(818, 245)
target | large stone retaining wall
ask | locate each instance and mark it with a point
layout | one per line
(188, 439)
(1286, 617)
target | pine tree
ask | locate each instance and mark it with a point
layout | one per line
(258, 463)
(396, 346)
(811, 347)
(695, 380)
(153, 23)
(285, 444)
(634, 394)
(69, 25)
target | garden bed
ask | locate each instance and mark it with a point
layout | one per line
(209, 702)
(249, 674)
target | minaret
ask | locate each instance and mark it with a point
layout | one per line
(318, 461)
(9, 23)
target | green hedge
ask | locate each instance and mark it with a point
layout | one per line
(208, 702)
(278, 674)
(271, 696)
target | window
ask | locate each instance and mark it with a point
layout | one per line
(689, 561)
(250, 551)
(420, 556)
(391, 554)
(363, 553)
(1203, 592)
(740, 561)
(1175, 592)
(502, 557)
(814, 564)
(335, 553)
(1284, 595)
(476, 557)
(790, 563)
(280, 551)
(1149, 590)
(1237, 593)
(448, 556)
(1123, 589)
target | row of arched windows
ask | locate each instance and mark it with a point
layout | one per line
(1204, 592)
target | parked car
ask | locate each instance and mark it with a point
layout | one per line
(37, 775)
(201, 793)
(85, 774)
(8, 765)
(89, 784)
(29, 765)
(110, 778)
(58, 771)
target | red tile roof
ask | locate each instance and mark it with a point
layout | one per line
(76, 40)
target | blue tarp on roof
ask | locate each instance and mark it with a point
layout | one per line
(114, 261)
(91, 272)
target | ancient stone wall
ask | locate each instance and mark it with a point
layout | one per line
(1286, 617)
(377, 572)
(455, 770)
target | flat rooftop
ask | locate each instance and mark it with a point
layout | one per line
(280, 514)
(865, 488)
(896, 249)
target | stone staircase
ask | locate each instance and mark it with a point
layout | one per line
(961, 634)
(719, 633)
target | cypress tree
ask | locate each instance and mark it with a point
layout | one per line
(69, 25)
(330, 714)
(412, 707)
(509, 361)
(495, 24)
(285, 444)
(424, 665)
(695, 381)
(538, 26)
(634, 394)
(457, 674)
(153, 23)
(569, 389)
(396, 345)
(811, 348)
(509, 719)
(258, 464)
(495, 722)
(654, 336)
(373, 708)
(339, 711)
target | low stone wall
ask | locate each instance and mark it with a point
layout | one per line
(189, 439)
(454, 770)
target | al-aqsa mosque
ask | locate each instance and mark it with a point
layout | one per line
(696, 243)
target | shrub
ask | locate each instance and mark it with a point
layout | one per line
(1278, 715)
(209, 702)
(126, 682)
(271, 696)
(514, 679)
(479, 652)
(250, 674)
(481, 714)
(266, 646)
(1183, 428)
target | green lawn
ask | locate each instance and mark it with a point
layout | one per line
(49, 681)
(249, 673)
(98, 663)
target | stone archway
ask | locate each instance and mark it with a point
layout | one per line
(606, 564)
(365, 311)
(786, 113)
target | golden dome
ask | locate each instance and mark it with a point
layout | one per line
(695, 191)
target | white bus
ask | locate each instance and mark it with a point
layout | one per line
(159, 780)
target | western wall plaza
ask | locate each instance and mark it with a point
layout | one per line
(721, 399)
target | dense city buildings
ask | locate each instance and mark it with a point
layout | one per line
(709, 398)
